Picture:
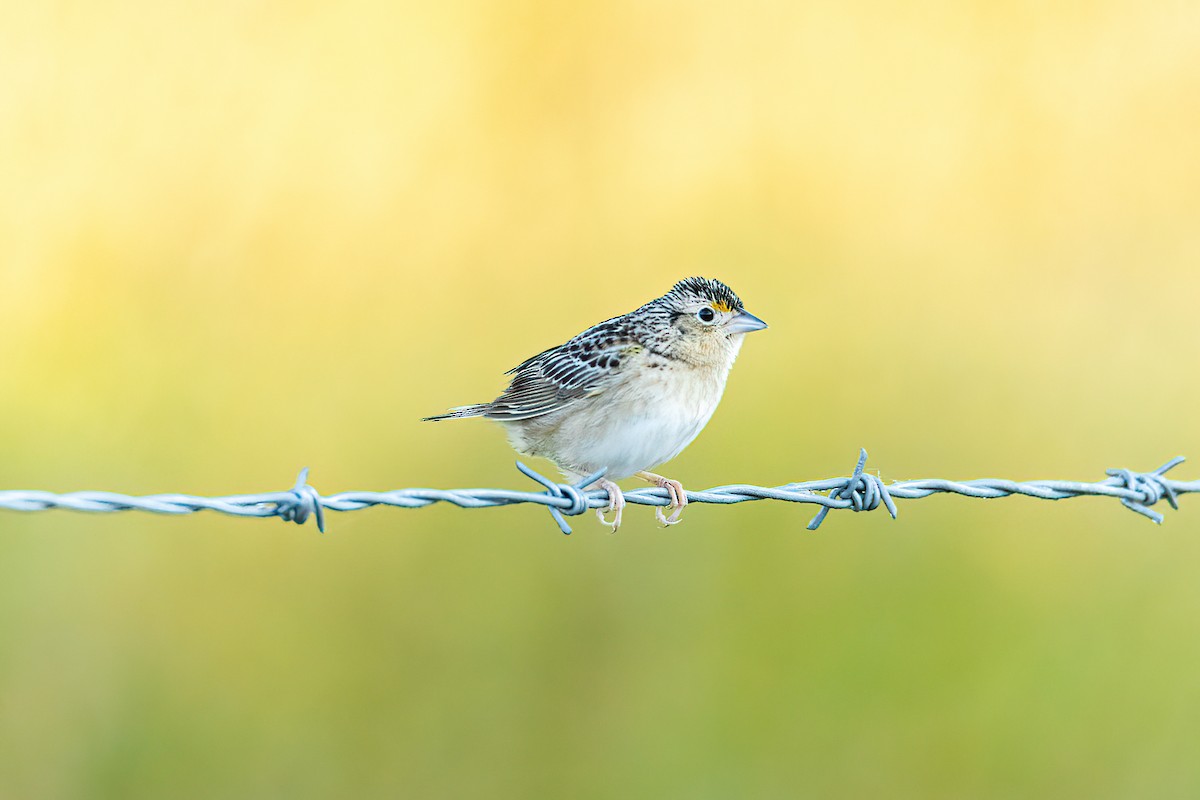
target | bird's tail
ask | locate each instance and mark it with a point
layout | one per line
(462, 412)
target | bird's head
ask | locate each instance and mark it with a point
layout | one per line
(708, 307)
(707, 318)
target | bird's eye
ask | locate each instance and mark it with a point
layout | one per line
(706, 314)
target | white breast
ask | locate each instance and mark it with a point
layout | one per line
(638, 425)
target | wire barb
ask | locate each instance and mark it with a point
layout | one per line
(573, 494)
(1150, 488)
(1137, 491)
(302, 502)
(862, 493)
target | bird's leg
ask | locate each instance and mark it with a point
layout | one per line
(678, 497)
(616, 502)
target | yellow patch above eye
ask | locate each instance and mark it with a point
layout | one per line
(722, 307)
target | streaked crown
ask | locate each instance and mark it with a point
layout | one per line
(720, 296)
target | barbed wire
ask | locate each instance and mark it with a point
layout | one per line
(860, 491)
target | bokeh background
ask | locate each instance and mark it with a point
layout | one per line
(241, 238)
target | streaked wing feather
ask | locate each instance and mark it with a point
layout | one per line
(554, 378)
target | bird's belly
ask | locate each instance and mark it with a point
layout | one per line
(636, 428)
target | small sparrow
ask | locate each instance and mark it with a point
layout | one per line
(628, 394)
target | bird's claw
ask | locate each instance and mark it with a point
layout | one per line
(616, 521)
(664, 521)
(679, 501)
(616, 503)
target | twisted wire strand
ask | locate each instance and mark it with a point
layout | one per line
(860, 491)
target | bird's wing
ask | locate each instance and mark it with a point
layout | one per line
(584, 366)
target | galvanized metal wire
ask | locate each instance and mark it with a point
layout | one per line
(860, 491)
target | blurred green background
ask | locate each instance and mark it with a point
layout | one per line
(240, 238)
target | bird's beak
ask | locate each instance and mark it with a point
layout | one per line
(744, 322)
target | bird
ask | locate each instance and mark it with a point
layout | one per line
(628, 394)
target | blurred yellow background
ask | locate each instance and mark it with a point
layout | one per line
(240, 238)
